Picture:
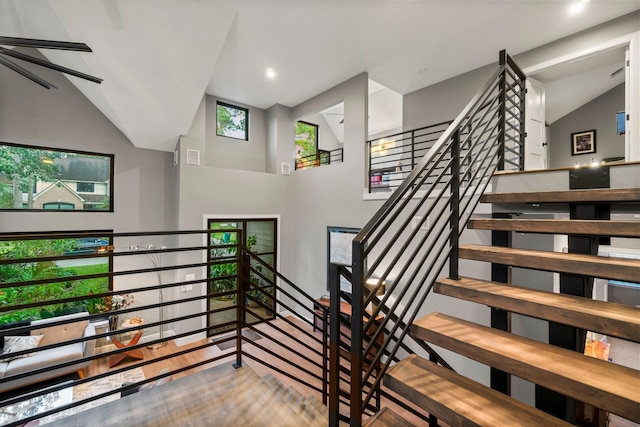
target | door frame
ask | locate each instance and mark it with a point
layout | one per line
(632, 82)
(205, 224)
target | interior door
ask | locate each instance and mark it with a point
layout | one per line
(535, 144)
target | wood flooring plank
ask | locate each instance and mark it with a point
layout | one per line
(624, 269)
(460, 401)
(618, 320)
(559, 226)
(385, 417)
(605, 385)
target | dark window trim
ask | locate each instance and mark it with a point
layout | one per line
(246, 112)
(63, 150)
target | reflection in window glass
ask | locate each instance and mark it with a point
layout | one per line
(232, 121)
(36, 178)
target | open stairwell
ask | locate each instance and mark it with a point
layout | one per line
(459, 401)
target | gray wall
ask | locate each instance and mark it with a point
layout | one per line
(598, 114)
(445, 100)
(144, 183)
(231, 153)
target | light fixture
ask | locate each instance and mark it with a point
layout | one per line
(270, 73)
(594, 164)
(577, 6)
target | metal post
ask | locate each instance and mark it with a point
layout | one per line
(334, 346)
(502, 109)
(242, 272)
(357, 334)
(454, 237)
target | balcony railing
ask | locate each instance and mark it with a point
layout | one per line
(392, 157)
(166, 274)
(321, 158)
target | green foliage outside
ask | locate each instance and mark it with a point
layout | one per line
(66, 288)
(21, 168)
(231, 122)
(306, 139)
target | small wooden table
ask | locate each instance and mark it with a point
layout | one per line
(133, 335)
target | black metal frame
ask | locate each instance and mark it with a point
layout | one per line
(111, 158)
(446, 185)
(181, 245)
(235, 107)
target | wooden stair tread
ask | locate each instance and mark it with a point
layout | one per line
(597, 195)
(559, 226)
(386, 417)
(605, 385)
(588, 265)
(612, 319)
(459, 401)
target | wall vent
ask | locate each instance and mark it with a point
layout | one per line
(193, 157)
(286, 168)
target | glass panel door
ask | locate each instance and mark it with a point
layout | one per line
(259, 236)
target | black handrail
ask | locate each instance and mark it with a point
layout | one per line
(307, 358)
(392, 247)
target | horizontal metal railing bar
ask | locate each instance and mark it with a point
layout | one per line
(447, 122)
(443, 256)
(401, 203)
(290, 350)
(400, 192)
(399, 296)
(114, 391)
(375, 239)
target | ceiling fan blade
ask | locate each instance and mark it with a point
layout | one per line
(45, 44)
(26, 73)
(48, 64)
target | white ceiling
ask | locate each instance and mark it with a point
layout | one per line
(158, 57)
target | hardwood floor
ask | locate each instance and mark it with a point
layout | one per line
(302, 357)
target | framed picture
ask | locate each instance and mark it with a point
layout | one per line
(583, 142)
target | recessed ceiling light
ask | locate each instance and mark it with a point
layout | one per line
(577, 6)
(271, 73)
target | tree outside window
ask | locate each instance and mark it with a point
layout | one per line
(232, 121)
(306, 144)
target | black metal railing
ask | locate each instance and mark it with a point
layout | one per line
(321, 158)
(153, 267)
(409, 241)
(391, 158)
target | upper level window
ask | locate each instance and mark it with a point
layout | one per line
(306, 145)
(85, 187)
(38, 178)
(232, 121)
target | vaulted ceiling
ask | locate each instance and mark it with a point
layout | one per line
(159, 57)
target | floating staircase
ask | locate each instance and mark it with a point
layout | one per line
(457, 400)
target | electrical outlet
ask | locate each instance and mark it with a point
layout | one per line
(190, 276)
(417, 219)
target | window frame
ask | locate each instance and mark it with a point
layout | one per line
(235, 107)
(111, 186)
(310, 163)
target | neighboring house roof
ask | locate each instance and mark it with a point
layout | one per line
(59, 183)
(83, 169)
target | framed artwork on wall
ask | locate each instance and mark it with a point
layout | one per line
(583, 142)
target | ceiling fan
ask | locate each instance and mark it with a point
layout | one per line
(42, 44)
